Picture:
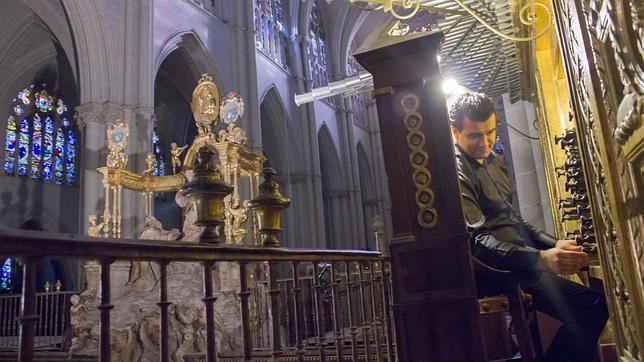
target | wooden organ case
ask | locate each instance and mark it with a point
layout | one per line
(435, 303)
(590, 94)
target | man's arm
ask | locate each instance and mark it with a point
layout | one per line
(484, 246)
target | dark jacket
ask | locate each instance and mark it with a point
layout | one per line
(499, 235)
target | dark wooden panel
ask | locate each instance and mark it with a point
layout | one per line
(435, 304)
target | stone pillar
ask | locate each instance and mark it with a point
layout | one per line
(309, 165)
(435, 302)
(89, 118)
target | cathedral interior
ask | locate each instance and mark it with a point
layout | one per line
(254, 180)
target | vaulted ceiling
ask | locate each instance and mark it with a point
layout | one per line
(472, 54)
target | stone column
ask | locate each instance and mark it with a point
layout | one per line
(309, 166)
(89, 118)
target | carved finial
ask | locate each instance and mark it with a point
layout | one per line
(205, 162)
(269, 186)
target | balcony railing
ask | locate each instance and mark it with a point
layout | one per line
(316, 304)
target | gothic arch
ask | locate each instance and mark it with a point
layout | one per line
(274, 121)
(57, 25)
(334, 194)
(189, 43)
(92, 50)
(178, 67)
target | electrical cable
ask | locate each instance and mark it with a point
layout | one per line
(521, 133)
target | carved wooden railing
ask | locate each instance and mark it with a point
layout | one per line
(327, 303)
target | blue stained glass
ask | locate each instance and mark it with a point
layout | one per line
(44, 102)
(48, 149)
(39, 150)
(499, 148)
(23, 147)
(70, 154)
(10, 145)
(24, 96)
(159, 164)
(36, 143)
(60, 107)
(59, 156)
(5, 277)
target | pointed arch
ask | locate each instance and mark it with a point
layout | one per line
(334, 194)
(274, 130)
(178, 67)
(188, 42)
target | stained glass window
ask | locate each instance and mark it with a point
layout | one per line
(48, 149)
(23, 147)
(159, 163)
(5, 277)
(31, 147)
(10, 145)
(36, 144)
(271, 34)
(317, 49)
(59, 154)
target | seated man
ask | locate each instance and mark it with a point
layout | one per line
(503, 240)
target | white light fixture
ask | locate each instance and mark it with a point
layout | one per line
(438, 58)
(450, 86)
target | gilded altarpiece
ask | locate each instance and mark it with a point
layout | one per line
(602, 44)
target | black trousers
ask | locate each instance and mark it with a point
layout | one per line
(582, 311)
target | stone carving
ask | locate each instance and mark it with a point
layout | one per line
(145, 272)
(83, 322)
(191, 232)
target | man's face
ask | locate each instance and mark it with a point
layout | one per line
(476, 138)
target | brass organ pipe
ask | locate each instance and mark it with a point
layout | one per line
(363, 79)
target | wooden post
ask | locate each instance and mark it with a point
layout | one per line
(28, 317)
(435, 302)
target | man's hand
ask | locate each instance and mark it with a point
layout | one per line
(569, 245)
(562, 261)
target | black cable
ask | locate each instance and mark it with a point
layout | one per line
(521, 133)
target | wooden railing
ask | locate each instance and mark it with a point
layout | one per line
(324, 304)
